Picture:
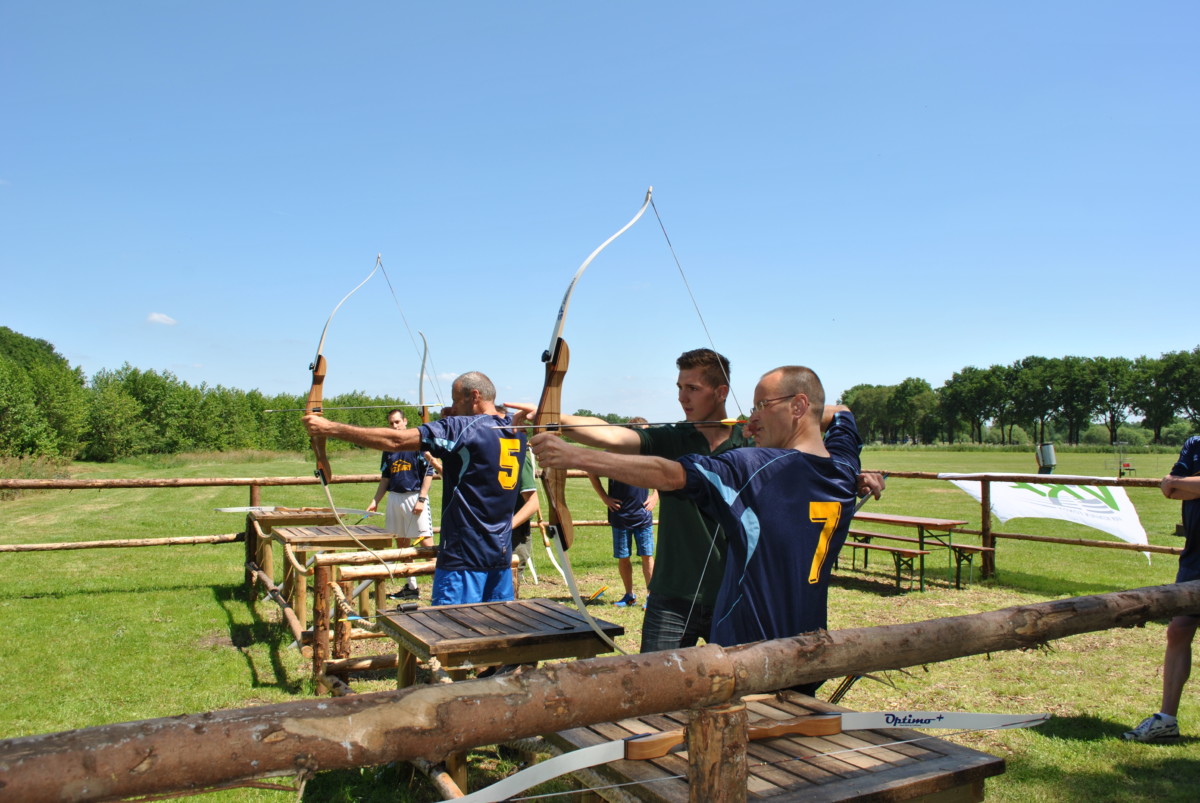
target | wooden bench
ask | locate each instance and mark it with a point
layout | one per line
(903, 558)
(963, 553)
(940, 530)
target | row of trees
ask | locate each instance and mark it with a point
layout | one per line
(1038, 397)
(49, 408)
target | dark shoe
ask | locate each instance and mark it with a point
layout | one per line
(406, 593)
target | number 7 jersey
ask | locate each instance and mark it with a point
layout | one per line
(785, 514)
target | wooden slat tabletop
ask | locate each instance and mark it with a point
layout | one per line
(450, 629)
(908, 521)
(332, 536)
(853, 765)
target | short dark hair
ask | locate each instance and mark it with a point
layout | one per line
(713, 367)
(796, 379)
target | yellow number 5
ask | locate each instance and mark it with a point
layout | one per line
(510, 469)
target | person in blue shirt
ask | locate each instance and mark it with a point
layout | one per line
(784, 506)
(481, 459)
(406, 478)
(631, 516)
(1182, 483)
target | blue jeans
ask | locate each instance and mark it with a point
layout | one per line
(625, 537)
(671, 623)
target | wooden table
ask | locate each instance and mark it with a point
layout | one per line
(845, 766)
(486, 634)
(937, 530)
(320, 538)
(492, 634)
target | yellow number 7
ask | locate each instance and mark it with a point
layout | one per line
(830, 513)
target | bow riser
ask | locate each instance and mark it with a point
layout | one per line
(313, 405)
(549, 414)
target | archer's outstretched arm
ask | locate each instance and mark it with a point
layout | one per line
(640, 470)
(384, 439)
(592, 432)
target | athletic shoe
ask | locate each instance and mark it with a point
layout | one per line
(1156, 728)
(407, 592)
(625, 601)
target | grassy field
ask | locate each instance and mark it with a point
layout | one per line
(102, 636)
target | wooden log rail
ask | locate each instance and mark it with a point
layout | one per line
(200, 751)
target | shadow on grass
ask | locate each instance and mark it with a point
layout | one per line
(1052, 588)
(274, 636)
(869, 584)
(1094, 729)
(79, 591)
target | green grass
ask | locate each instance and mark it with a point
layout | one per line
(102, 636)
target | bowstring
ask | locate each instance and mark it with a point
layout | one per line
(728, 382)
(437, 388)
(695, 304)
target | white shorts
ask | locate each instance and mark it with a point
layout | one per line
(399, 518)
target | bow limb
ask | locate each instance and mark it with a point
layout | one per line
(421, 380)
(656, 745)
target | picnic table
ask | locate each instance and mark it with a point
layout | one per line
(931, 532)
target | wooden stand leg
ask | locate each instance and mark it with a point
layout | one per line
(716, 739)
(406, 668)
(299, 592)
(341, 631)
(320, 619)
(456, 768)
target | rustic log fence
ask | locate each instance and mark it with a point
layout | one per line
(195, 752)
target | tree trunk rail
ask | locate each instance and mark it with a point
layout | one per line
(199, 751)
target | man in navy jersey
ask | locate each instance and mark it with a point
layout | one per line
(784, 507)
(406, 478)
(631, 516)
(1182, 483)
(481, 461)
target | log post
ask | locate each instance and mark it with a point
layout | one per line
(251, 560)
(988, 569)
(716, 741)
(320, 619)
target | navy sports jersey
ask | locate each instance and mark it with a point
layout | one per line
(632, 515)
(1187, 465)
(785, 515)
(480, 468)
(404, 470)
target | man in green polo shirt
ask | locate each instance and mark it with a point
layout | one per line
(691, 550)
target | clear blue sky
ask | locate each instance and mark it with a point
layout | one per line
(876, 189)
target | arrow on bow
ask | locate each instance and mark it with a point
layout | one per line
(549, 414)
(656, 745)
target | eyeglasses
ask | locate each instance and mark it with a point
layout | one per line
(765, 403)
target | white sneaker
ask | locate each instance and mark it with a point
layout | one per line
(1156, 728)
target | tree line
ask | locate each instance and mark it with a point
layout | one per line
(1069, 399)
(48, 408)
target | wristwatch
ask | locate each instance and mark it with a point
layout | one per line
(422, 498)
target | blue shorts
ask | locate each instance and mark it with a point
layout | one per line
(457, 587)
(624, 537)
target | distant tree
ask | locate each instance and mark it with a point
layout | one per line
(1078, 394)
(23, 429)
(1153, 395)
(909, 404)
(1115, 376)
(869, 403)
(115, 426)
(1181, 371)
(970, 394)
(1034, 394)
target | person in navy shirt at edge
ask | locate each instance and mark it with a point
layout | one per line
(481, 460)
(631, 516)
(1182, 483)
(405, 478)
(785, 506)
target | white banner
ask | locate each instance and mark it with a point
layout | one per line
(1103, 507)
